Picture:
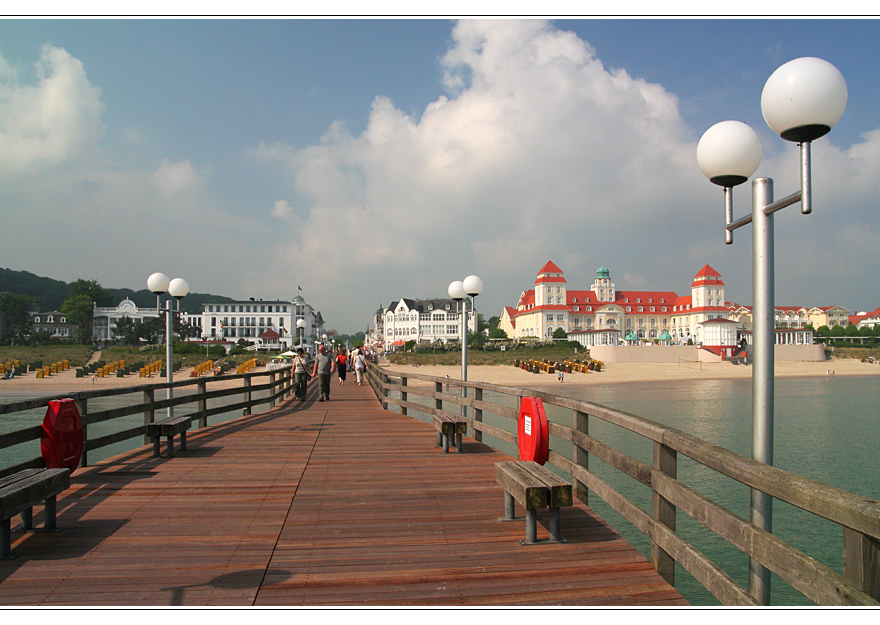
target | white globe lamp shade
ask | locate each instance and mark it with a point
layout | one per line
(300, 323)
(473, 286)
(158, 283)
(729, 153)
(456, 291)
(178, 288)
(803, 99)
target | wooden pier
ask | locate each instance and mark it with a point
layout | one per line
(337, 503)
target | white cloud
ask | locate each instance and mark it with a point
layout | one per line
(50, 121)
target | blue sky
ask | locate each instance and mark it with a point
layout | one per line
(368, 160)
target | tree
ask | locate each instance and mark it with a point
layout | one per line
(80, 310)
(494, 322)
(14, 309)
(498, 333)
(91, 289)
(559, 333)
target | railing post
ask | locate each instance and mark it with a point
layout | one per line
(247, 391)
(403, 395)
(438, 405)
(478, 415)
(663, 511)
(149, 411)
(203, 403)
(82, 405)
(581, 457)
(861, 561)
(272, 390)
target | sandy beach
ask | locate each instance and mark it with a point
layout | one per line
(66, 382)
(614, 373)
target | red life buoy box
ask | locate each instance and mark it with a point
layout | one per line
(533, 434)
(61, 441)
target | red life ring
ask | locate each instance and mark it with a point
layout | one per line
(61, 441)
(533, 434)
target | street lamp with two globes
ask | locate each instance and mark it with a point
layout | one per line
(459, 291)
(802, 100)
(159, 283)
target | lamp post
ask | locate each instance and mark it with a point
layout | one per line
(158, 283)
(459, 291)
(801, 102)
(301, 326)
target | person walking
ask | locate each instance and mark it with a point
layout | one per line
(342, 365)
(323, 367)
(360, 365)
(300, 375)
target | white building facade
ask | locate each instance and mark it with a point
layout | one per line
(420, 320)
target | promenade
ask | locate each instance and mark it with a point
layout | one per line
(337, 503)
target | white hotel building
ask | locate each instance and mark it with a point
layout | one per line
(603, 315)
(420, 320)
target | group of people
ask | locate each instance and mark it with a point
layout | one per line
(323, 366)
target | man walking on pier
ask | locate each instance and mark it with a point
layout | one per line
(323, 367)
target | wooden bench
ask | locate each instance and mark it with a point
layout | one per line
(19, 493)
(450, 426)
(169, 428)
(533, 487)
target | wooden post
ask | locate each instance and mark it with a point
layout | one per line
(149, 412)
(861, 561)
(83, 406)
(247, 391)
(203, 403)
(272, 390)
(581, 458)
(478, 415)
(403, 394)
(662, 511)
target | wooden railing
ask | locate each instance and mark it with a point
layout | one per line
(858, 516)
(278, 385)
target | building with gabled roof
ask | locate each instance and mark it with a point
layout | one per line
(421, 320)
(602, 315)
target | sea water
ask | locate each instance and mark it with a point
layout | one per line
(825, 428)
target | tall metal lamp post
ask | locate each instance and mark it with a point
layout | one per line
(301, 326)
(801, 101)
(459, 291)
(159, 283)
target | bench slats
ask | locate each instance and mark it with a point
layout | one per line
(450, 425)
(31, 489)
(515, 478)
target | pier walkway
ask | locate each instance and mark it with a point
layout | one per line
(337, 503)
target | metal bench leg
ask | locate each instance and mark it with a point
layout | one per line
(6, 540)
(183, 441)
(50, 512)
(531, 527)
(156, 451)
(27, 520)
(446, 443)
(170, 440)
(439, 438)
(555, 526)
(458, 443)
(509, 507)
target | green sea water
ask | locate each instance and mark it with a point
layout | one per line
(826, 428)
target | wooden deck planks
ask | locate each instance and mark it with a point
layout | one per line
(336, 503)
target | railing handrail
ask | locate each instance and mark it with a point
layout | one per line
(279, 385)
(857, 514)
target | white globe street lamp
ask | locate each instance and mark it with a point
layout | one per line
(459, 291)
(159, 283)
(301, 324)
(801, 101)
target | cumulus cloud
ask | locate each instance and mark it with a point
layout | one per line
(50, 121)
(536, 151)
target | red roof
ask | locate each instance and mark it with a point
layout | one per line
(550, 267)
(270, 335)
(707, 275)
